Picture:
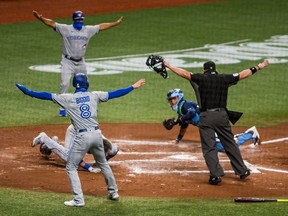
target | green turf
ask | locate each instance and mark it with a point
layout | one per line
(20, 202)
(262, 98)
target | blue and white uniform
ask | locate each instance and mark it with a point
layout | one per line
(82, 109)
(188, 113)
(75, 43)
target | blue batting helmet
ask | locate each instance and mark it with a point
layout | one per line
(78, 15)
(80, 81)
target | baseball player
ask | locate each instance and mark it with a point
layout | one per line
(50, 145)
(110, 149)
(188, 113)
(82, 109)
(75, 39)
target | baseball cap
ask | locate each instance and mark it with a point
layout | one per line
(78, 15)
(209, 65)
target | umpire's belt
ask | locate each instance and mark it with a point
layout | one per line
(88, 129)
(72, 59)
(213, 110)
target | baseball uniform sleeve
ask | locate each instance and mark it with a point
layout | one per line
(92, 30)
(60, 99)
(231, 79)
(100, 96)
(60, 28)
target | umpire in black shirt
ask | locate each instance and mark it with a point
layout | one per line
(211, 91)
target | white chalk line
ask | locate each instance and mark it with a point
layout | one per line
(148, 153)
(141, 142)
(275, 140)
(178, 157)
(147, 142)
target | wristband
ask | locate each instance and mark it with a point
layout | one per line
(253, 70)
(86, 167)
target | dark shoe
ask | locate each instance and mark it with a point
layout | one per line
(245, 175)
(214, 180)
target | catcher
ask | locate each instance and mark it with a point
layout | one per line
(49, 145)
(188, 113)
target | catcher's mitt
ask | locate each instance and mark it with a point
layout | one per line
(44, 149)
(169, 123)
(155, 63)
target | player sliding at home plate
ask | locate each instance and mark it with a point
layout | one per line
(211, 90)
(189, 113)
(49, 145)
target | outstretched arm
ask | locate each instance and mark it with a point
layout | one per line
(39, 95)
(179, 71)
(104, 26)
(124, 91)
(46, 21)
(248, 72)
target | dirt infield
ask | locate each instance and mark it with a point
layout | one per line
(21, 10)
(148, 165)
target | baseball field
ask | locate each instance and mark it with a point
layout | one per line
(154, 176)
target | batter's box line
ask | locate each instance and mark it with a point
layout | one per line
(273, 141)
(148, 142)
(144, 142)
(137, 170)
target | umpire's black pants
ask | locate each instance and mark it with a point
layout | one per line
(217, 121)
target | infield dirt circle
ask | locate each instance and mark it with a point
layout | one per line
(148, 164)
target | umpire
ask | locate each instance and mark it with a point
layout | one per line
(211, 91)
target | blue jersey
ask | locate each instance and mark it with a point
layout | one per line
(188, 113)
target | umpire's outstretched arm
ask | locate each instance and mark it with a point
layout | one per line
(242, 75)
(248, 72)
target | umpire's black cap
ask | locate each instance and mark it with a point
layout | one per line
(209, 65)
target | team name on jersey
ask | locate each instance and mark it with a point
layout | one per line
(77, 37)
(82, 99)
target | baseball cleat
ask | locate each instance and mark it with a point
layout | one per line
(214, 180)
(113, 197)
(255, 135)
(62, 113)
(55, 138)
(245, 175)
(39, 139)
(73, 203)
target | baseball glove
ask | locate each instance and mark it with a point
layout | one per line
(169, 123)
(155, 63)
(44, 150)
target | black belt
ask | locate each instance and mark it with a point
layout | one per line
(85, 129)
(213, 110)
(72, 59)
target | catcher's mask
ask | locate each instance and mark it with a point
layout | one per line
(80, 81)
(175, 93)
(78, 15)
